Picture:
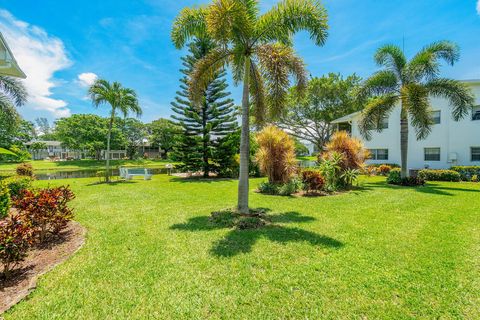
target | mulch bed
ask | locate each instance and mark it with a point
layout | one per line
(40, 260)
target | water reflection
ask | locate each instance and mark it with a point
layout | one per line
(55, 175)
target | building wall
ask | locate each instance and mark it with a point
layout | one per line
(450, 136)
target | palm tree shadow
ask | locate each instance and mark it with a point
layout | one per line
(242, 241)
(430, 188)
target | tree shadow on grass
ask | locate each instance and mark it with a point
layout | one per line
(199, 179)
(111, 183)
(430, 188)
(242, 241)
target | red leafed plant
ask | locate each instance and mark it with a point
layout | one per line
(312, 180)
(46, 210)
(16, 236)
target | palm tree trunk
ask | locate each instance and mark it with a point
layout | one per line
(404, 142)
(110, 125)
(243, 183)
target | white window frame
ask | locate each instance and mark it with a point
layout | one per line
(432, 148)
(374, 154)
(476, 113)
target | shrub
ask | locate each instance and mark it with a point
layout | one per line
(24, 170)
(331, 170)
(384, 169)
(46, 210)
(17, 184)
(4, 200)
(282, 189)
(352, 150)
(439, 175)
(467, 172)
(474, 178)
(395, 177)
(21, 155)
(15, 239)
(312, 180)
(349, 176)
(276, 154)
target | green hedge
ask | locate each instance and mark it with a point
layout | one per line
(439, 175)
(467, 172)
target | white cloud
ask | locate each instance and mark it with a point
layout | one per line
(40, 56)
(478, 7)
(86, 79)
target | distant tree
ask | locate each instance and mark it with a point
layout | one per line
(87, 132)
(12, 95)
(409, 84)
(134, 132)
(204, 124)
(164, 134)
(300, 148)
(120, 99)
(17, 134)
(330, 97)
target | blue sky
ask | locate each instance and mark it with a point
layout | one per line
(63, 45)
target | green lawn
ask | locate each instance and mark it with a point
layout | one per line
(43, 165)
(381, 252)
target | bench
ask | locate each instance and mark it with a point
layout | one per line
(129, 173)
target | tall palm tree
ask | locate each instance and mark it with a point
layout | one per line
(409, 84)
(120, 99)
(258, 49)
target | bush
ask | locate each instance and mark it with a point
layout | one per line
(352, 150)
(21, 155)
(282, 189)
(384, 169)
(17, 184)
(276, 155)
(331, 170)
(24, 170)
(467, 172)
(15, 239)
(474, 178)
(46, 210)
(4, 200)
(395, 178)
(439, 175)
(312, 180)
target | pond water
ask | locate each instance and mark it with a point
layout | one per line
(55, 175)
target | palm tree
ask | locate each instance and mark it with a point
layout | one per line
(410, 84)
(120, 99)
(258, 49)
(12, 94)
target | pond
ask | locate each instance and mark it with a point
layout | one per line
(56, 175)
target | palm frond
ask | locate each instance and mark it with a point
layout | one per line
(277, 63)
(205, 71)
(458, 94)
(190, 23)
(381, 83)
(15, 89)
(377, 109)
(415, 101)
(392, 58)
(257, 92)
(291, 16)
(228, 20)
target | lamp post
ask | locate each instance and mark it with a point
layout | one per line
(8, 64)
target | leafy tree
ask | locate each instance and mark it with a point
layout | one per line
(87, 132)
(202, 124)
(134, 132)
(328, 98)
(164, 134)
(300, 148)
(258, 50)
(410, 84)
(120, 99)
(44, 130)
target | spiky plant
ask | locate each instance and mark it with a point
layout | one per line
(258, 49)
(352, 150)
(276, 154)
(410, 84)
(120, 99)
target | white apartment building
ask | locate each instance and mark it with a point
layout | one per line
(450, 143)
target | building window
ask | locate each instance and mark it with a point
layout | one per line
(436, 117)
(383, 124)
(432, 154)
(475, 151)
(476, 113)
(378, 154)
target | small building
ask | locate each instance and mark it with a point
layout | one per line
(450, 143)
(53, 150)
